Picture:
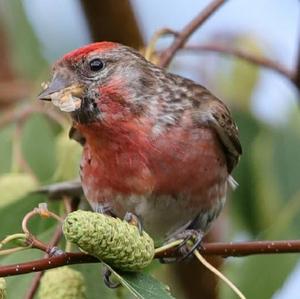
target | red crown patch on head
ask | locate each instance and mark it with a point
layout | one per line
(78, 53)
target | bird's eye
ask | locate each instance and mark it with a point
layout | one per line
(96, 65)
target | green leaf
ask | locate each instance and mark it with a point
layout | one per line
(286, 144)
(38, 141)
(11, 217)
(258, 276)
(68, 154)
(25, 48)
(268, 200)
(6, 149)
(243, 199)
(94, 282)
(12, 214)
(142, 285)
(13, 186)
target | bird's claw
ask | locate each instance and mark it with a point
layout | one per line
(107, 279)
(134, 220)
(191, 241)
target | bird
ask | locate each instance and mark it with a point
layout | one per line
(158, 148)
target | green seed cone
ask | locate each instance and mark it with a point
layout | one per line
(2, 288)
(62, 283)
(115, 242)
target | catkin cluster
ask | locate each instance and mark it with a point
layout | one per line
(2, 288)
(62, 283)
(115, 242)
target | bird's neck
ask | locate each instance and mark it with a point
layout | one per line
(117, 135)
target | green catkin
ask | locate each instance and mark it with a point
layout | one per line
(112, 240)
(3, 294)
(62, 283)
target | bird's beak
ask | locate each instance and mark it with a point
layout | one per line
(57, 84)
(63, 93)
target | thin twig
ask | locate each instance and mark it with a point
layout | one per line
(42, 211)
(36, 280)
(252, 58)
(187, 31)
(31, 240)
(34, 285)
(150, 49)
(214, 270)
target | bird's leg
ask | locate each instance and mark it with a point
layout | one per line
(184, 249)
(134, 220)
(107, 279)
(106, 210)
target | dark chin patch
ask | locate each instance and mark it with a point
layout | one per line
(87, 113)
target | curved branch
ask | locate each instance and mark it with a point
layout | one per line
(254, 59)
(221, 249)
(187, 31)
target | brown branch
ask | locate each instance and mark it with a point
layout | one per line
(242, 248)
(187, 31)
(47, 263)
(113, 20)
(297, 73)
(71, 189)
(252, 58)
(220, 249)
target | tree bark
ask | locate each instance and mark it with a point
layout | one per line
(113, 20)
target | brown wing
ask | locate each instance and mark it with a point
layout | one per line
(214, 113)
(223, 123)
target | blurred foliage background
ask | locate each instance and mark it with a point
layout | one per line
(35, 150)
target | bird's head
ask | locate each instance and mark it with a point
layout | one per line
(99, 81)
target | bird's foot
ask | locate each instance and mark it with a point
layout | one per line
(191, 241)
(107, 279)
(134, 220)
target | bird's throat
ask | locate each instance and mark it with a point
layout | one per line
(87, 113)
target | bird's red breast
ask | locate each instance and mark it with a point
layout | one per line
(126, 158)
